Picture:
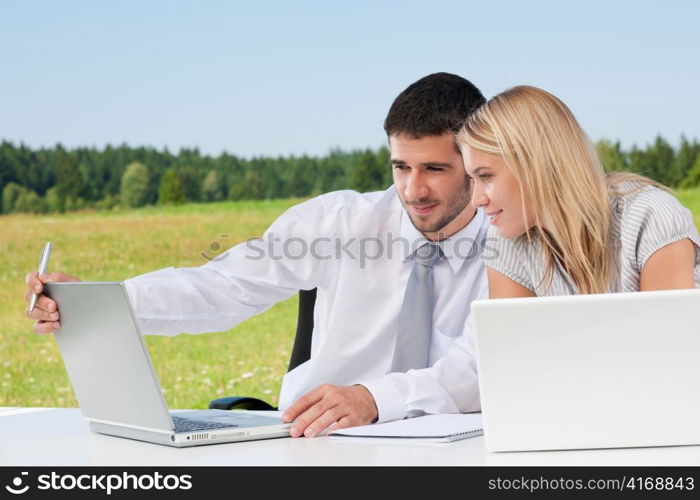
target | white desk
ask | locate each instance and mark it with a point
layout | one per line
(52, 437)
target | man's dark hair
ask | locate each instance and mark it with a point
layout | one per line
(434, 105)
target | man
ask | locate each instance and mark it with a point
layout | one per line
(372, 352)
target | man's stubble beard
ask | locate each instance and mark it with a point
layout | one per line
(459, 202)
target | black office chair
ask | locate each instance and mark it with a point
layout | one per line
(301, 352)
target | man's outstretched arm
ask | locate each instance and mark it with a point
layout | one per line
(243, 281)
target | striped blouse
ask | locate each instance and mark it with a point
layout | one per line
(644, 221)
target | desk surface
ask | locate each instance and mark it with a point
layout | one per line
(51, 437)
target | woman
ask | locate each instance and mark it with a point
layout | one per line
(560, 226)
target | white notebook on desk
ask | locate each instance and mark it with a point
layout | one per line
(429, 428)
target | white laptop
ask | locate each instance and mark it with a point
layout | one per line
(114, 381)
(589, 371)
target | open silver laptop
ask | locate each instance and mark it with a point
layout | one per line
(589, 371)
(114, 381)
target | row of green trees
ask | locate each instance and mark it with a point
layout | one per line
(676, 168)
(58, 180)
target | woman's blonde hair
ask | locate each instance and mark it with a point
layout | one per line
(559, 175)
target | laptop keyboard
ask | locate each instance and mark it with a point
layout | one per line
(189, 425)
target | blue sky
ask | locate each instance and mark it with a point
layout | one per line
(269, 78)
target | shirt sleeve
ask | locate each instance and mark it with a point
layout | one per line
(241, 282)
(449, 386)
(653, 219)
(507, 257)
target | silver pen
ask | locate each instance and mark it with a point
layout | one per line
(43, 265)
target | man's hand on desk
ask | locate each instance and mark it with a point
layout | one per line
(45, 311)
(331, 405)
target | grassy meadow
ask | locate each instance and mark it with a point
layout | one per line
(249, 359)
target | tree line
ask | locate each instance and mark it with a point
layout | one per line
(57, 179)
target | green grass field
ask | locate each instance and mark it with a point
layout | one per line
(249, 359)
(111, 246)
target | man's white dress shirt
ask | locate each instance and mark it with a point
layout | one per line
(356, 249)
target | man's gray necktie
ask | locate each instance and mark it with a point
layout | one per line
(416, 318)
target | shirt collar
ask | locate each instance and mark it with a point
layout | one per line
(457, 248)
